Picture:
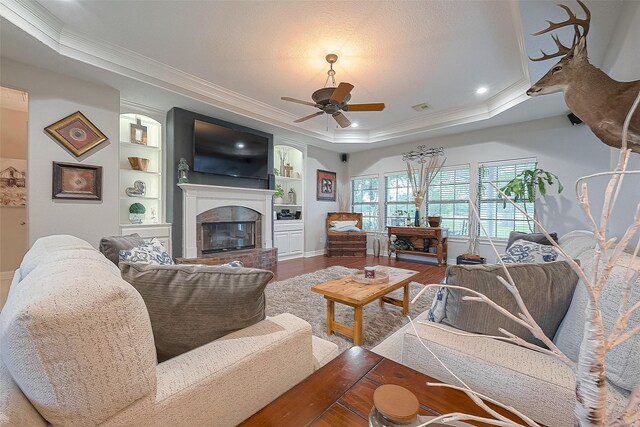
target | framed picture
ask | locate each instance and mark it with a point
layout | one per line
(138, 133)
(76, 181)
(13, 192)
(326, 186)
(76, 133)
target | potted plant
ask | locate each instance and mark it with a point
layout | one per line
(278, 195)
(136, 213)
(523, 187)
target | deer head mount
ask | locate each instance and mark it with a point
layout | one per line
(601, 102)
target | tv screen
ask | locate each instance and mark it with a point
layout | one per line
(224, 151)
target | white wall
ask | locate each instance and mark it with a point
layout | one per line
(52, 97)
(316, 211)
(569, 151)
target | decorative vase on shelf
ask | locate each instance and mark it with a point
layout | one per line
(417, 219)
(292, 197)
(434, 221)
(136, 218)
(277, 200)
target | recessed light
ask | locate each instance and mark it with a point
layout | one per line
(481, 90)
(240, 144)
(354, 125)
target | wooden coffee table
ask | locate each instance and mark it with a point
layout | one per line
(341, 394)
(349, 292)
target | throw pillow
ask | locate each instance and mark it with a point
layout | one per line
(348, 228)
(531, 237)
(523, 251)
(112, 245)
(147, 253)
(192, 305)
(339, 224)
(546, 289)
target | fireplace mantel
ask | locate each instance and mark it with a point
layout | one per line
(197, 198)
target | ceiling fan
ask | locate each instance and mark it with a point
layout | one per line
(333, 100)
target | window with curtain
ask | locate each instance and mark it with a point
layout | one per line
(364, 200)
(448, 197)
(398, 200)
(500, 219)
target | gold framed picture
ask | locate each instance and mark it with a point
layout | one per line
(76, 133)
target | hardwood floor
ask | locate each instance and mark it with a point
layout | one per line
(295, 267)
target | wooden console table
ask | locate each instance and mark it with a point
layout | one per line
(417, 235)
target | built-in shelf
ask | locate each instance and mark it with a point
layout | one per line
(142, 172)
(138, 197)
(286, 206)
(289, 233)
(133, 146)
(287, 178)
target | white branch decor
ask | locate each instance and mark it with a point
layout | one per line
(430, 164)
(591, 390)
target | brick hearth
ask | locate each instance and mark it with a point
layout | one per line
(264, 258)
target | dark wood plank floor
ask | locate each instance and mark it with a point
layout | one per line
(295, 267)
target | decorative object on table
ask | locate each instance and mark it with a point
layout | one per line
(139, 163)
(434, 221)
(76, 181)
(139, 189)
(153, 219)
(333, 100)
(431, 161)
(278, 195)
(378, 279)
(183, 171)
(603, 110)
(292, 197)
(76, 133)
(136, 213)
(282, 155)
(370, 272)
(138, 133)
(13, 192)
(394, 406)
(287, 170)
(325, 185)
(524, 186)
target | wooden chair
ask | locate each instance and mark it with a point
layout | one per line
(346, 243)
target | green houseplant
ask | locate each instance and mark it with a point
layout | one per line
(278, 195)
(526, 184)
(136, 213)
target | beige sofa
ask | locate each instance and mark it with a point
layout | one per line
(77, 350)
(539, 385)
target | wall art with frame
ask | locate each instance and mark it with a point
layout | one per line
(326, 186)
(76, 181)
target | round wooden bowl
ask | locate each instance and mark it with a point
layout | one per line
(379, 279)
(139, 163)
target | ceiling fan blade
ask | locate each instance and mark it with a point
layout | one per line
(340, 93)
(310, 116)
(342, 120)
(299, 101)
(365, 107)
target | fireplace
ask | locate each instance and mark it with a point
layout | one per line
(228, 228)
(228, 236)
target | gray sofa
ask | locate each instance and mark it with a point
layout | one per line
(538, 385)
(77, 349)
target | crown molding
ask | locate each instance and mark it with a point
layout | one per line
(38, 22)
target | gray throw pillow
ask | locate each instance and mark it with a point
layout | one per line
(530, 237)
(546, 289)
(112, 245)
(192, 305)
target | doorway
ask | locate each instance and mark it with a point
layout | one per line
(13, 184)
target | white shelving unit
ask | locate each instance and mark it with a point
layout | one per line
(153, 200)
(289, 233)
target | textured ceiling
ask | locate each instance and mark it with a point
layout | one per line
(240, 57)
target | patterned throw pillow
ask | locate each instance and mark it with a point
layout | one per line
(151, 252)
(233, 264)
(525, 252)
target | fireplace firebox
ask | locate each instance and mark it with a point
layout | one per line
(227, 236)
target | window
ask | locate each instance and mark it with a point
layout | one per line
(398, 200)
(448, 197)
(364, 199)
(500, 219)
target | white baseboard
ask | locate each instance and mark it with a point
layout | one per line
(314, 253)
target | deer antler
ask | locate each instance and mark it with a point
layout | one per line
(573, 20)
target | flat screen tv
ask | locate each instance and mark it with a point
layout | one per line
(224, 151)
